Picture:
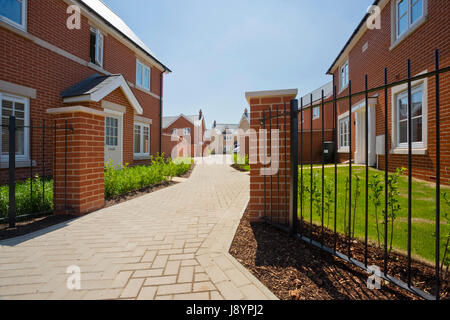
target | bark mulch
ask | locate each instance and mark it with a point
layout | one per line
(295, 270)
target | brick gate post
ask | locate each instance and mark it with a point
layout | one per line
(79, 169)
(272, 201)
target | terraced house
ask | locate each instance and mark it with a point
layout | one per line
(408, 29)
(98, 75)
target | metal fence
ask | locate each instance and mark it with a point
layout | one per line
(301, 222)
(37, 175)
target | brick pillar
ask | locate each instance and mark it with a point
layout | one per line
(79, 175)
(273, 202)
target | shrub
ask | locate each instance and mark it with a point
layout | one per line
(25, 202)
(122, 180)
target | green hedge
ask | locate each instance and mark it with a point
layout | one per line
(118, 181)
(122, 180)
(24, 204)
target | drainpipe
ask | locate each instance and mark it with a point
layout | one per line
(160, 108)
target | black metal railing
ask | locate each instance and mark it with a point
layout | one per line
(316, 233)
(37, 171)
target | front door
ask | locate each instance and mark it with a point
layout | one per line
(113, 139)
(360, 135)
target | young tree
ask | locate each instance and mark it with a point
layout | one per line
(376, 188)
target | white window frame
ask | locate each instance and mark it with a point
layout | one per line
(26, 102)
(343, 117)
(145, 68)
(175, 132)
(398, 37)
(142, 126)
(403, 95)
(99, 46)
(419, 148)
(22, 26)
(343, 81)
(186, 131)
(316, 115)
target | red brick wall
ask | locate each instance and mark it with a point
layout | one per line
(259, 204)
(25, 63)
(419, 47)
(85, 164)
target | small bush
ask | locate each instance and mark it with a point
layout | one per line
(122, 180)
(25, 202)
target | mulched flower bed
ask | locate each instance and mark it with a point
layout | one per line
(295, 270)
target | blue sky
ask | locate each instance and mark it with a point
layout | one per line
(218, 50)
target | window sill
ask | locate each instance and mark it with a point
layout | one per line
(407, 33)
(342, 89)
(98, 68)
(344, 150)
(19, 164)
(415, 151)
(141, 157)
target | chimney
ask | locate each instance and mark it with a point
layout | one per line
(200, 114)
(215, 124)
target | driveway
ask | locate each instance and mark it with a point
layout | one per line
(170, 244)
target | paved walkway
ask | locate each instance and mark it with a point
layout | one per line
(170, 244)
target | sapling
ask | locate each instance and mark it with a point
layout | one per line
(329, 200)
(357, 194)
(393, 201)
(445, 257)
(347, 183)
(376, 188)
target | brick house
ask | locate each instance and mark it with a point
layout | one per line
(99, 76)
(410, 29)
(48, 69)
(224, 137)
(191, 128)
(244, 127)
(316, 131)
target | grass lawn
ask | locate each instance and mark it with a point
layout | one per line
(423, 209)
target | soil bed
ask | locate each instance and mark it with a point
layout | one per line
(295, 270)
(30, 226)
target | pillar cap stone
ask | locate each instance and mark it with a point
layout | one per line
(292, 93)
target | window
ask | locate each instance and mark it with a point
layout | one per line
(316, 113)
(344, 134)
(141, 139)
(408, 12)
(142, 75)
(175, 132)
(14, 12)
(186, 131)
(228, 138)
(417, 118)
(18, 107)
(344, 76)
(111, 132)
(96, 47)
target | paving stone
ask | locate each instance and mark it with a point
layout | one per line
(174, 289)
(147, 293)
(125, 251)
(132, 289)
